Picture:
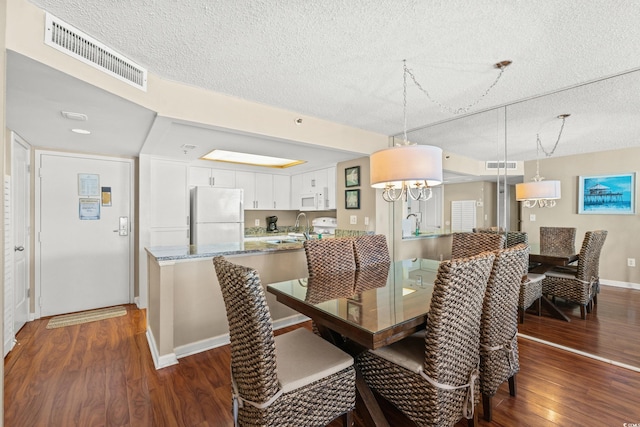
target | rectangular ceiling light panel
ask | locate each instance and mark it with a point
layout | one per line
(67, 39)
(251, 159)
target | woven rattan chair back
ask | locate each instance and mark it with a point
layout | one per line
(372, 277)
(328, 256)
(253, 359)
(370, 249)
(557, 239)
(516, 237)
(589, 257)
(464, 245)
(325, 287)
(499, 326)
(451, 348)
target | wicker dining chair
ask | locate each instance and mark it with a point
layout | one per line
(464, 245)
(499, 359)
(329, 255)
(431, 375)
(582, 286)
(294, 379)
(530, 292)
(558, 239)
(371, 249)
(513, 237)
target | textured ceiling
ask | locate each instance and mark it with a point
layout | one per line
(342, 61)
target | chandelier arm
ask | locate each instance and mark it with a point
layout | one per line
(458, 110)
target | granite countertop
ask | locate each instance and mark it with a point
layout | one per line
(175, 253)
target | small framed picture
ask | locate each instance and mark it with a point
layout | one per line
(352, 176)
(352, 199)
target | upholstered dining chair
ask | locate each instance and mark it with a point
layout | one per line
(370, 249)
(294, 379)
(329, 255)
(530, 292)
(582, 286)
(464, 245)
(499, 359)
(558, 239)
(431, 375)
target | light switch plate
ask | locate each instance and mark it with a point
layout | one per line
(366, 220)
(257, 223)
(532, 217)
(353, 219)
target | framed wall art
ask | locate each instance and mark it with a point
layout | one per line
(352, 199)
(352, 176)
(607, 194)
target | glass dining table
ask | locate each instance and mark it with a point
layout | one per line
(543, 261)
(373, 307)
(365, 309)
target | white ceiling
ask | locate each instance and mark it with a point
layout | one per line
(342, 61)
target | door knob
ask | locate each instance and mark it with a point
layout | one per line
(18, 248)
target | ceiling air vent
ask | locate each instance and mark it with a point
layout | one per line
(73, 42)
(500, 165)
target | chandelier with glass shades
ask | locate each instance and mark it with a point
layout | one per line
(410, 170)
(539, 192)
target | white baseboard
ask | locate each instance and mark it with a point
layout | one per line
(159, 361)
(200, 346)
(211, 343)
(619, 284)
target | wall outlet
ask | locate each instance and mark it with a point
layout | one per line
(257, 223)
(631, 262)
(366, 220)
(532, 217)
(353, 219)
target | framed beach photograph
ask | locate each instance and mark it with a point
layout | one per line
(607, 194)
(352, 199)
(352, 176)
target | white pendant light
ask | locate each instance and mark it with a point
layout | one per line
(539, 192)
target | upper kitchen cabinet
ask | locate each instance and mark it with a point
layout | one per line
(169, 205)
(318, 185)
(264, 191)
(203, 176)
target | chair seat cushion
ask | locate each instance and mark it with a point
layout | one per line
(559, 275)
(533, 277)
(303, 358)
(408, 352)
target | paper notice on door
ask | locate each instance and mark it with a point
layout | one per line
(88, 184)
(89, 209)
(106, 196)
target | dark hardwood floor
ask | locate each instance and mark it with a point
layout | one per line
(101, 374)
(611, 330)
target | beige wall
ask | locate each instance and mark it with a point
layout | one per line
(622, 241)
(367, 197)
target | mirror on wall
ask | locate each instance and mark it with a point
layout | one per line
(603, 119)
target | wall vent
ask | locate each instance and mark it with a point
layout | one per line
(500, 165)
(73, 42)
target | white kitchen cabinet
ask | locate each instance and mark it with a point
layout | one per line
(281, 192)
(314, 182)
(170, 203)
(203, 176)
(265, 191)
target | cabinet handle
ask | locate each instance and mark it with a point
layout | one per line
(213, 181)
(274, 204)
(313, 182)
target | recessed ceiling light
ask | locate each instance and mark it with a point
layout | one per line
(251, 159)
(74, 116)
(81, 131)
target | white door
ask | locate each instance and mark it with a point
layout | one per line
(84, 231)
(20, 152)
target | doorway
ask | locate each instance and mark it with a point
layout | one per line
(84, 235)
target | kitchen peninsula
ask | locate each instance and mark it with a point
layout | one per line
(186, 313)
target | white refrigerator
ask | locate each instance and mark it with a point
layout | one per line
(217, 216)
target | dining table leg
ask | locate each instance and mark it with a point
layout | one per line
(554, 310)
(366, 403)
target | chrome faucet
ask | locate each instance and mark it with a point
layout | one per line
(417, 222)
(297, 225)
